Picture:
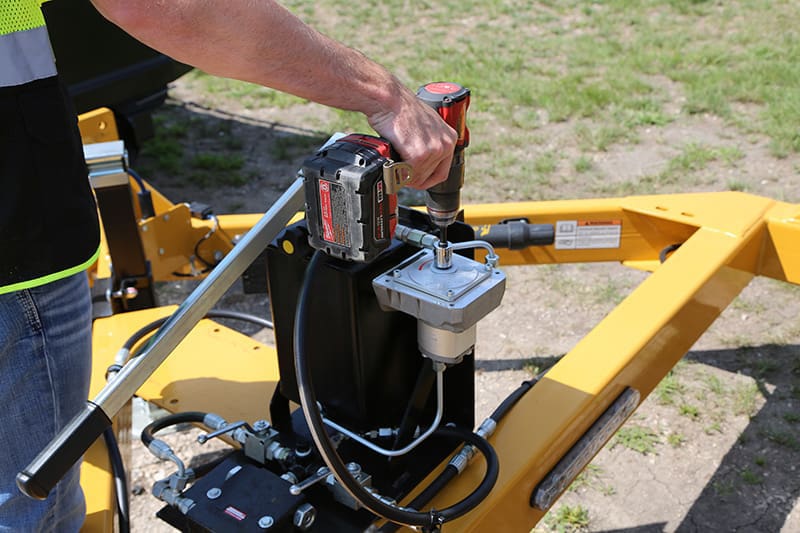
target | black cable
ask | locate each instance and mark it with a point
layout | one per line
(140, 333)
(431, 520)
(450, 471)
(148, 433)
(139, 181)
(120, 480)
(203, 239)
(510, 400)
(662, 255)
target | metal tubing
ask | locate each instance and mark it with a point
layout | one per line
(200, 301)
(402, 451)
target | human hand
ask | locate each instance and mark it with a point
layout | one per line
(420, 136)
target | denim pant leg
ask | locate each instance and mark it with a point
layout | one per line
(45, 363)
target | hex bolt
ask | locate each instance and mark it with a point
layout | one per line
(214, 493)
(260, 425)
(304, 516)
(265, 522)
(354, 469)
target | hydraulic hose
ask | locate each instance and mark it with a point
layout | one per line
(148, 433)
(142, 332)
(214, 313)
(120, 481)
(450, 471)
(510, 400)
(308, 400)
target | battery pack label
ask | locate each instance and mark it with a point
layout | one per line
(587, 234)
(333, 213)
(380, 223)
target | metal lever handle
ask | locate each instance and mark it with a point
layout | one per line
(202, 439)
(41, 475)
(320, 474)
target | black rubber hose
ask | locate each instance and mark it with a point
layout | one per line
(431, 520)
(664, 254)
(120, 481)
(506, 405)
(148, 433)
(450, 471)
(215, 313)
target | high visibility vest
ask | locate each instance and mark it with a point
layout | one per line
(48, 220)
(25, 52)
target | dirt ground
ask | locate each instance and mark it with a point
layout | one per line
(724, 441)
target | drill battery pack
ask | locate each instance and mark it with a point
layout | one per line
(349, 211)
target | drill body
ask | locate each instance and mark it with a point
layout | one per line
(443, 200)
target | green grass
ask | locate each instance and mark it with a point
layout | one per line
(724, 487)
(166, 154)
(568, 518)
(583, 164)
(218, 162)
(669, 389)
(614, 73)
(783, 438)
(600, 64)
(592, 478)
(750, 478)
(715, 385)
(696, 157)
(792, 418)
(676, 440)
(637, 438)
(745, 397)
(689, 411)
(249, 95)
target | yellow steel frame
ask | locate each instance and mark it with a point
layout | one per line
(726, 239)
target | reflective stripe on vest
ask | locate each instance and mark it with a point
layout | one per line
(25, 51)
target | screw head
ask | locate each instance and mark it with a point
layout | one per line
(214, 493)
(265, 522)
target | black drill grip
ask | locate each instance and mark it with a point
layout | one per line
(516, 234)
(47, 469)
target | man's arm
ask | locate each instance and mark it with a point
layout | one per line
(262, 42)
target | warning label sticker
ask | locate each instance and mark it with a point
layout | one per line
(586, 234)
(333, 212)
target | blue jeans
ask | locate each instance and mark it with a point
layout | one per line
(45, 363)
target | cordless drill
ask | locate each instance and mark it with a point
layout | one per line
(443, 200)
(351, 190)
